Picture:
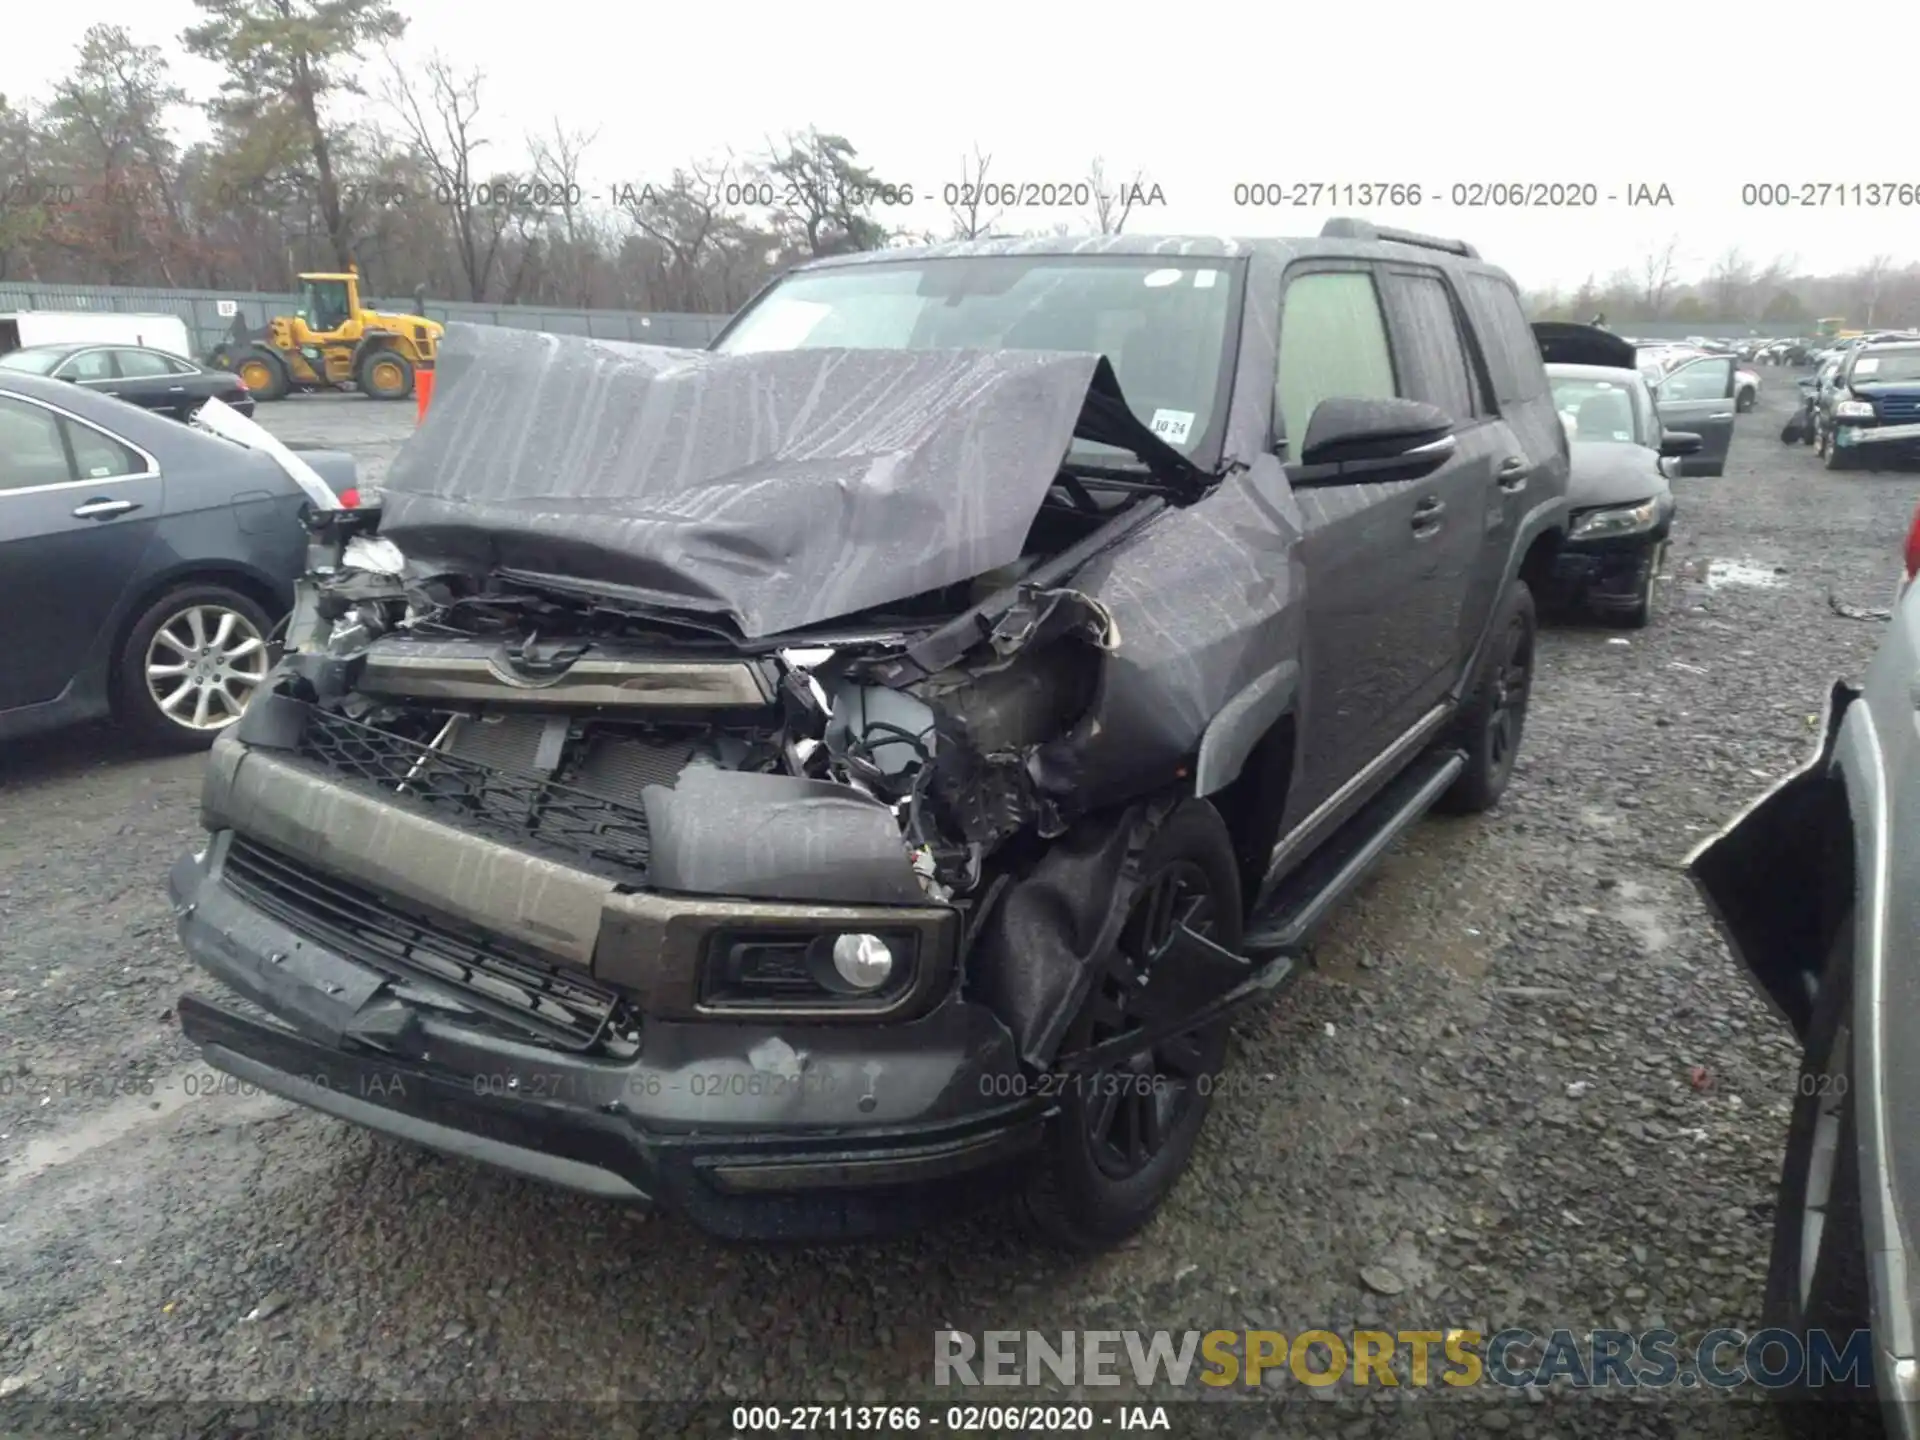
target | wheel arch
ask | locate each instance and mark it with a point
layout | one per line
(252, 583)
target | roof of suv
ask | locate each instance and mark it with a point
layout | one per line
(1356, 238)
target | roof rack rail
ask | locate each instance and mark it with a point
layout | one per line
(1343, 228)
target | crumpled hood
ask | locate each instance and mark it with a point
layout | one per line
(776, 489)
(1613, 472)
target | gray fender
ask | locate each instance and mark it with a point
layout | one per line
(1231, 735)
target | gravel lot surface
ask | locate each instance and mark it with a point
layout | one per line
(1524, 1086)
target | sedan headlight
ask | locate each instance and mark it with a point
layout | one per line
(1853, 410)
(1616, 520)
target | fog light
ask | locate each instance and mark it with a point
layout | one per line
(863, 961)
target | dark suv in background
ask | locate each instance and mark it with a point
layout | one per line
(857, 773)
(1869, 415)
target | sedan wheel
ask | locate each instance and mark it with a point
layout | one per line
(191, 664)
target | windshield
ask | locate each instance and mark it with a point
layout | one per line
(1888, 365)
(326, 304)
(1165, 323)
(34, 362)
(1598, 410)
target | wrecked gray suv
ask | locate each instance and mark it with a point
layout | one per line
(851, 773)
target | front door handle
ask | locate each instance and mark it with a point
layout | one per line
(1426, 516)
(1514, 473)
(176, 389)
(1721, 415)
(104, 509)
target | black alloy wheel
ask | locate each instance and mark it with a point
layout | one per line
(1132, 1109)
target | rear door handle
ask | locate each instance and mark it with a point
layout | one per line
(1426, 516)
(1721, 415)
(1514, 473)
(176, 389)
(104, 509)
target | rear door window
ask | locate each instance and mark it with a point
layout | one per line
(98, 456)
(1439, 366)
(1513, 354)
(32, 452)
(142, 364)
(1333, 343)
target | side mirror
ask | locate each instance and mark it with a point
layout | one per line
(1675, 443)
(1353, 442)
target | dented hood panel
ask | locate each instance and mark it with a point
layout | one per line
(776, 489)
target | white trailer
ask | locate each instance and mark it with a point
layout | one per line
(21, 328)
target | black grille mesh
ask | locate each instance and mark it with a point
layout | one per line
(513, 806)
(495, 978)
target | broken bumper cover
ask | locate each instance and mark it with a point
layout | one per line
(753, 1130)
(1605, 574)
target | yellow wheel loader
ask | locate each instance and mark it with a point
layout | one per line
(332, 343)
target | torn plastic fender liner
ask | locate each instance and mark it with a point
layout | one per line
(776, 837)
(1038, 953)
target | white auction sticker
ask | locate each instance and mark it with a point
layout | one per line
(1203, 279)
(1173, 426)
(1866, 365)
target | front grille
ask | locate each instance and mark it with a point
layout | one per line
(1899, 409)
(514, 806)
(496, 979)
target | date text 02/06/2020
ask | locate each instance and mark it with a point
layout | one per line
(1459, 194)
(957, 1419)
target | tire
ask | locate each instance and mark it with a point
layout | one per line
(386, 376)
(1493, 720)
(1641, 615)
(1081, 1193)
(267, 368)
(138, 696)
(1832, 1293)
(1745, 401)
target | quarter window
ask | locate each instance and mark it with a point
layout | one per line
(1333, 343)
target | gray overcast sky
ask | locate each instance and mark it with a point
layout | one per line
(1201, 95)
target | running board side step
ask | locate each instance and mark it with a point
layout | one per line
(1306, 897)
(1271, 951)
(1337, 866)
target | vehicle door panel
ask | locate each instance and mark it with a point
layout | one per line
(67, 570)
(1358, 545)
(1463, 498)
(1697, 397)
(147, 380)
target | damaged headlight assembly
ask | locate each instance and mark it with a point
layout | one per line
(1616, 520)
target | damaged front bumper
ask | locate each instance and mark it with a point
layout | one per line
(751, 1127)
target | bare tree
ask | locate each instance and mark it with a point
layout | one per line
(1729, 284)
(1111, 204)
(970, 221)
(557, 160)
(1869, 284)
(442, 127)
(1658, 271)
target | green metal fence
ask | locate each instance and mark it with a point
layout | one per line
(210, 314)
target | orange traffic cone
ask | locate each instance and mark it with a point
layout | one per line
(422, 389)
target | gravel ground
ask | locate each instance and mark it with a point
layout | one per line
(1524, 1085)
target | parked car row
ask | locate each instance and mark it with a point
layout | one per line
(151, 379)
